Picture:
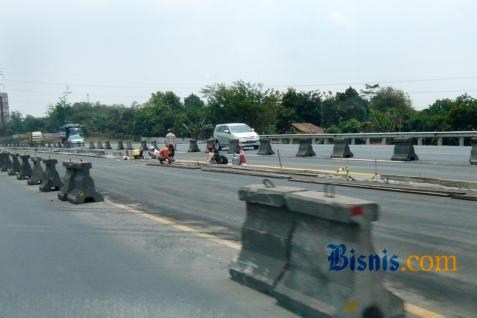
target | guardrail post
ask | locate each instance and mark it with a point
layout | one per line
(419, 141)
(383, 140)
(353, 141)
(461, 141)
(439, 141)
(325, 141)
(368, 141)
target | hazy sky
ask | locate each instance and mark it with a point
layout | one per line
(121, 51)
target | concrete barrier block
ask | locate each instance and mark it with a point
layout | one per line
(15, 167)
(7, 163)
(234, 146)
(305, 148)
(37, 175)
(193, 146)
(99, 145)
(51, 180)
(309, 287)
(404, 150)
(144, 145)
(120, 145)
(107, 144)
(341, 149)
(265, 148)
(473, 152)
(265, 237)
(25, 168)
(78, 186)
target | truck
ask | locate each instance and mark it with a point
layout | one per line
(35, 137)
(72, 134)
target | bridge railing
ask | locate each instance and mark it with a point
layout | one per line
(439, 135)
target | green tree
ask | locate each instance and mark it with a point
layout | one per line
(243, 102)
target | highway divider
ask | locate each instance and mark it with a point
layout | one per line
(78, 186)
(25, 168)
(305, 148)
(404, 150)
(15, 166)
(473, 152)
(51, 179)
(341, 149)
(38, 175)
(284, 252)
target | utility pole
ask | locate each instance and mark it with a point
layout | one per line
(65, 94)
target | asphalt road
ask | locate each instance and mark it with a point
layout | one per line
(98, 260)
(409, 225)
(447, 162)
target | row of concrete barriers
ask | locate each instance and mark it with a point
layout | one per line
(403, 149)
(76, 187)
(284, 252)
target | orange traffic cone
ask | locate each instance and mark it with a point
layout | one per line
(243, 160)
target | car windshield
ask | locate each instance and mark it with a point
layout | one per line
(76, 132)
(240, 129)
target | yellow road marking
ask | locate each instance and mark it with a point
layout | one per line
(180, 227)
(410, 308)
(421, 312)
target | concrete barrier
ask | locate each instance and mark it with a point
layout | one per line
(25, 168)
(15, 168)
(265, 148)
(91, 145)
(404, 150)
(99, 145)
(2, 155)
(309, 286)
(234, 146)
(154, 144)
(129, 145)
(265, 237)
(193, 146)
(120, 145)
(51, 180)
(341, 149)
(79, 186)
(37, 174)
(144, 145)
(287, 242)
(305, 148)
(473, 152)
(107, 145)
(7, 163)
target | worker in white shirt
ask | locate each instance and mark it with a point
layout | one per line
(171, 140)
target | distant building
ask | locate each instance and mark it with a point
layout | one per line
(4, 110)
(306, 128)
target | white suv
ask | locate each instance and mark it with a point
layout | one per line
(246, 136)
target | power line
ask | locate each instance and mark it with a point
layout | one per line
(275, 85)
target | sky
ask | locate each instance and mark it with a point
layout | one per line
(119, 52)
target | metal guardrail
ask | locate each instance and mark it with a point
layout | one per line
(425, 134)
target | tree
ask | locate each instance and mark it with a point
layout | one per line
(193, 101)
(392, 101)
(243, 102)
